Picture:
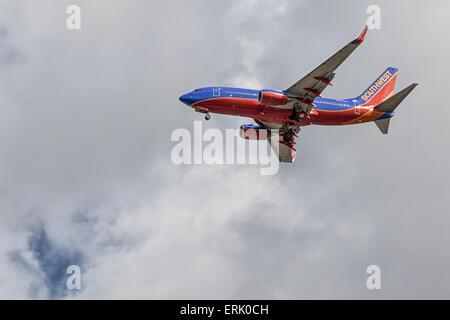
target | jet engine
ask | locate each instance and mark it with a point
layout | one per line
(253, 132)
(272, 98)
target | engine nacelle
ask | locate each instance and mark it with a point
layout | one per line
(253, 132)
(272, 98)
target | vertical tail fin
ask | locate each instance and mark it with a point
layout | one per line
(381, 89)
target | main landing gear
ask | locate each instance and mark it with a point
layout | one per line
(207, 116)
(297, 113)
(288, 136)
(289, 132)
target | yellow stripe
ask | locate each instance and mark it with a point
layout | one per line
(367, 114)
(334, 110)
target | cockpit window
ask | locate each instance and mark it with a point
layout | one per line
(197, 90)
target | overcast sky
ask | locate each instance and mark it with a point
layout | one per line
(86, 176)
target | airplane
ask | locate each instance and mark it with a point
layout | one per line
(280, 114)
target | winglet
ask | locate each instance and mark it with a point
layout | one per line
(361, 36)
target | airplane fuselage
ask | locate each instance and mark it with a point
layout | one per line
(245, 103)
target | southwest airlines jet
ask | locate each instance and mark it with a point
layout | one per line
(280, 114)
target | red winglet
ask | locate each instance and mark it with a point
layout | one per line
(314, 92)
(361, 36)
(323, 80)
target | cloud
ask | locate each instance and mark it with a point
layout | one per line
(86, 177)
(52, 261)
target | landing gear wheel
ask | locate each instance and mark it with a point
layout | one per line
(297, 113)
(207, 116)
(287, 137)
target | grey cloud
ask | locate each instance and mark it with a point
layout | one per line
(85, 148)
(53, 260)
(9, 55)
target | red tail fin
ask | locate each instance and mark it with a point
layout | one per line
(381, 89)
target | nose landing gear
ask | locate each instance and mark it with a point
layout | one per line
(205, 112)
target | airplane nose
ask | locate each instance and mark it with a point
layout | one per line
(187, 99)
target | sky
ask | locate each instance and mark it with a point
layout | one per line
(86, 176)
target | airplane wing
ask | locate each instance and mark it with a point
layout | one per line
(312, 85)
(305, 91)
(281, 148)
(275, 139)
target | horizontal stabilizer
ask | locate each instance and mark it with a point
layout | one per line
(390, 104)
(383, 125)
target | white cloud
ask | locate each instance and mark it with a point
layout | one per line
(85, 151)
